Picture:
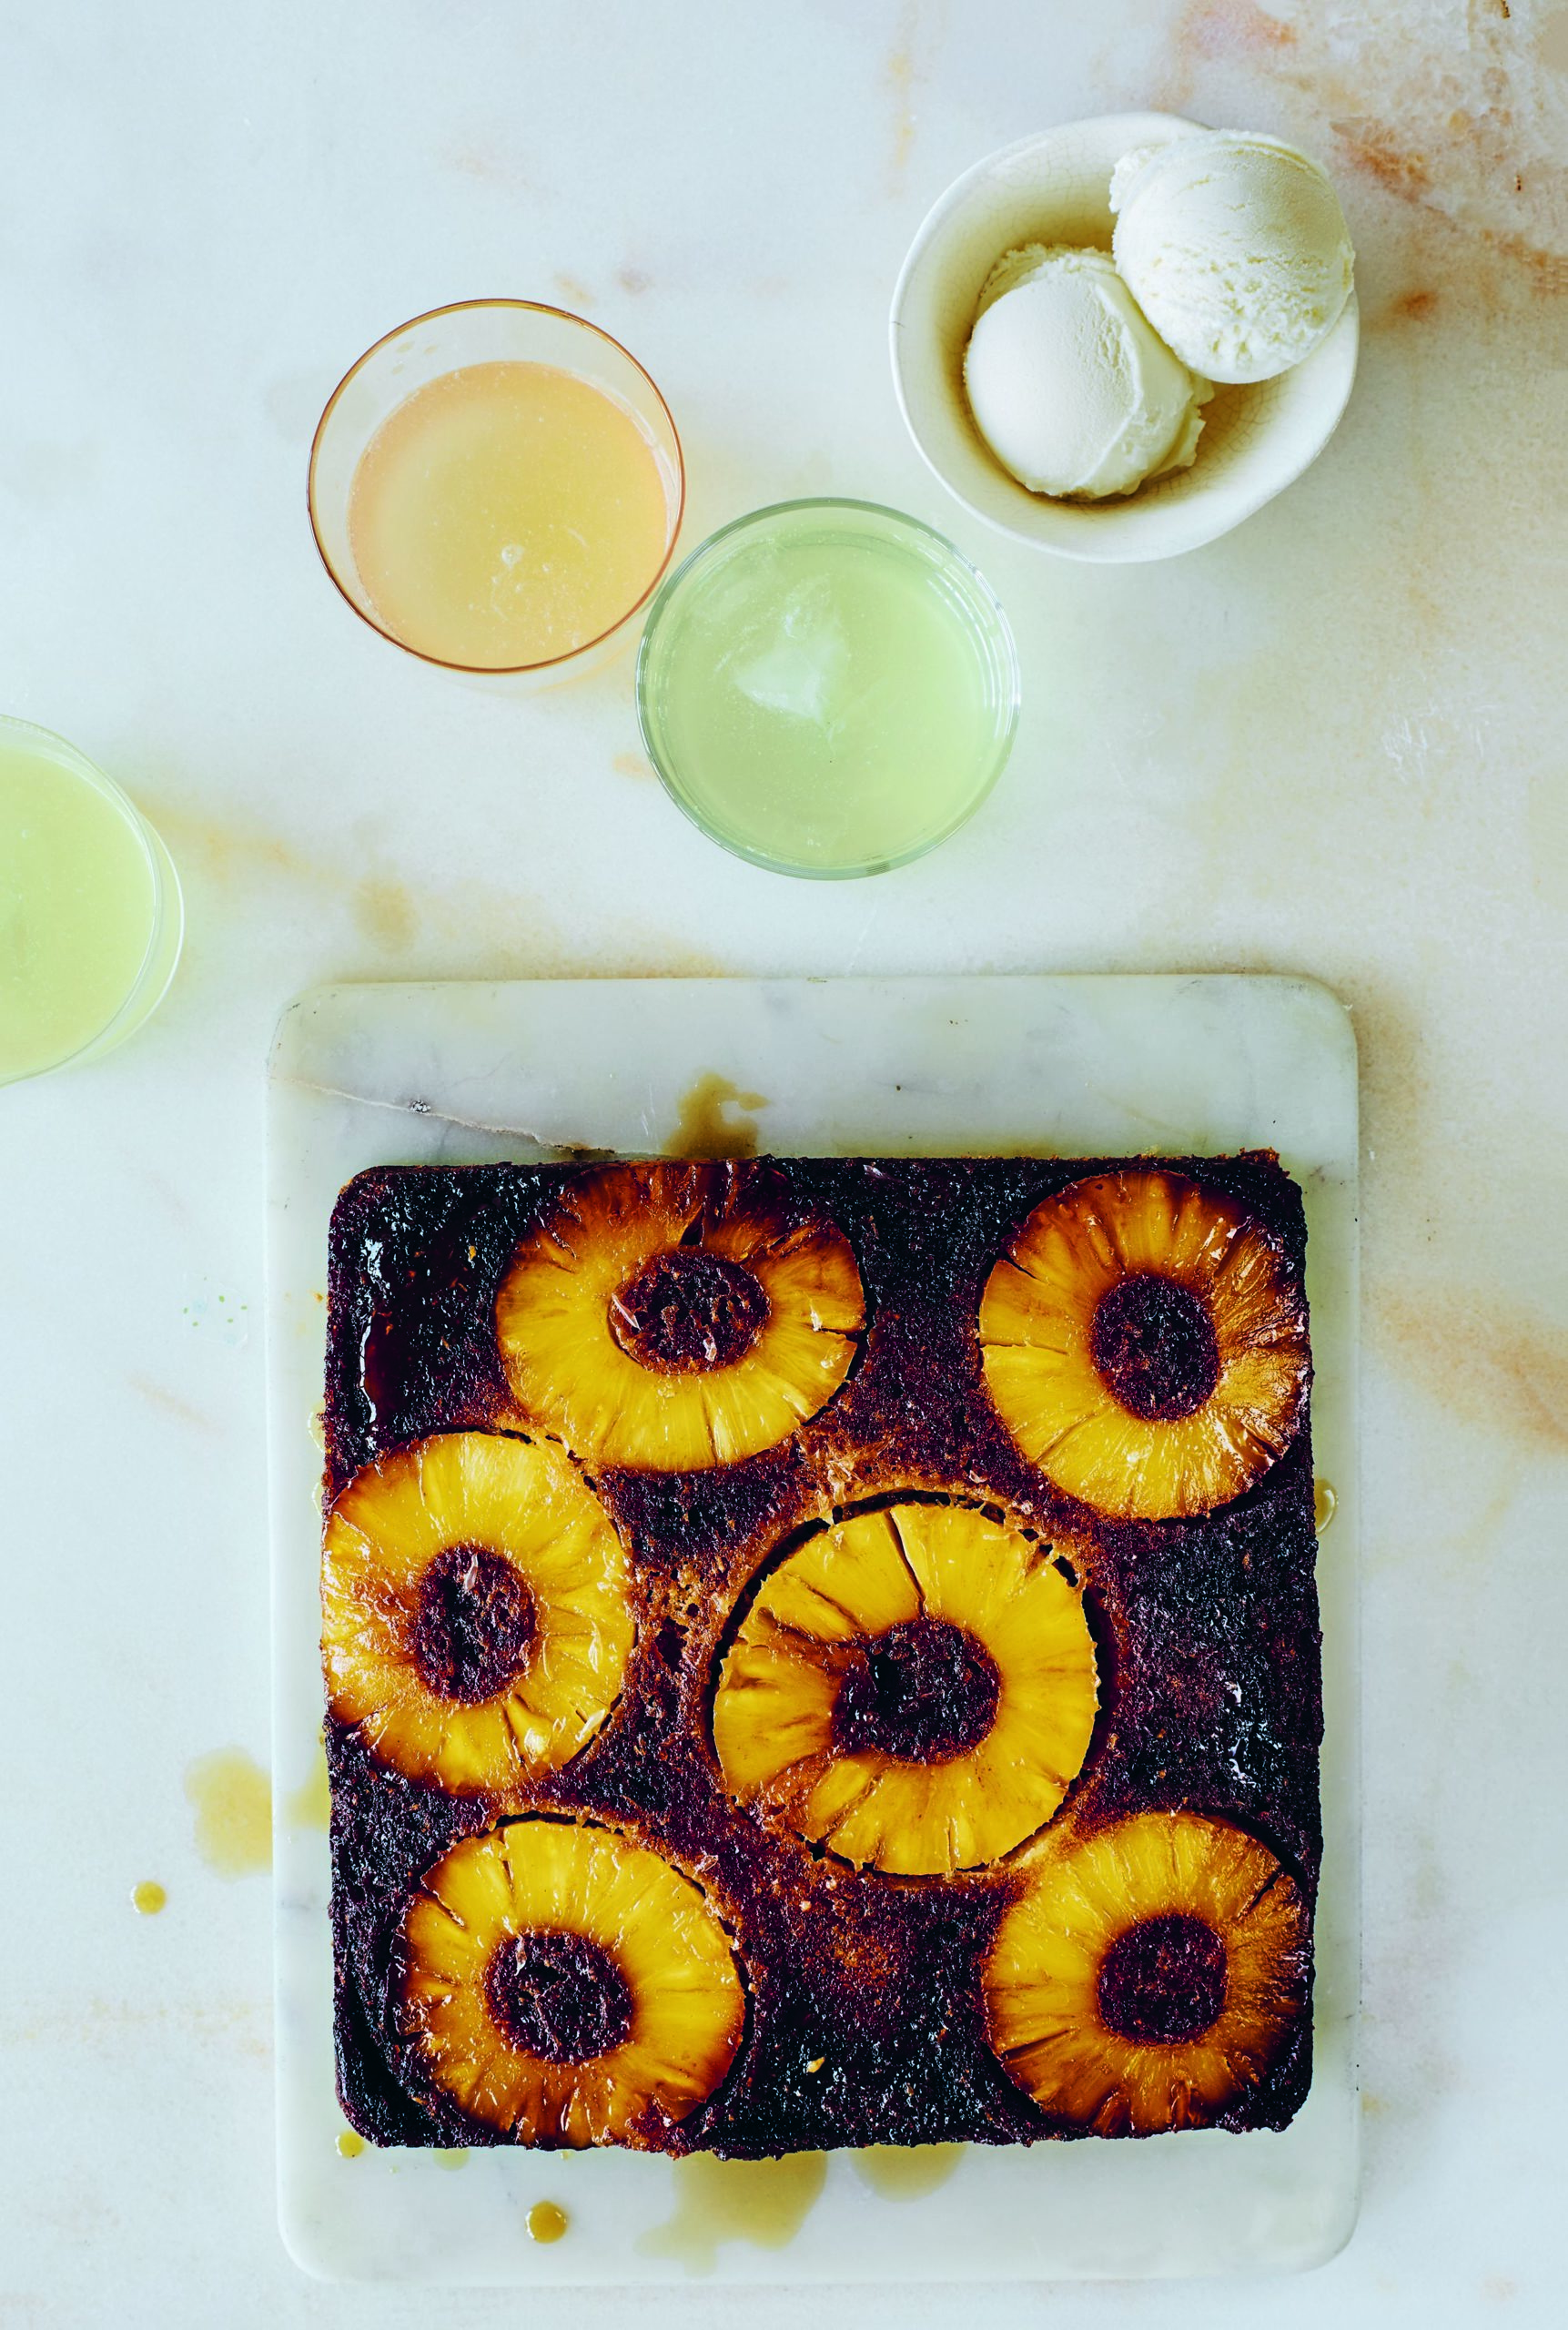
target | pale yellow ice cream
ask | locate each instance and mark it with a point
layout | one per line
(1069, 387)
(1236, 250)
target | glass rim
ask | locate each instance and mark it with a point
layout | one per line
(547, 663)
(76, 763)
(1000, 634)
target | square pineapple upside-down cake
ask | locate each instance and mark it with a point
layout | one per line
(820, 1653)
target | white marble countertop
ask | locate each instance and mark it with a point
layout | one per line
(1333, 744)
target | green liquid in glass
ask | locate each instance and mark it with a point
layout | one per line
(827, 688)
(83, 929)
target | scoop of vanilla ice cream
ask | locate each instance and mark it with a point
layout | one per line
(1235, 247)
(1068, 386)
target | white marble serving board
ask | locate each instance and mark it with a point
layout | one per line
(1063, 1064)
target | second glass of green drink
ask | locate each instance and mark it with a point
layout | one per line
(828, 688)
(90, 911)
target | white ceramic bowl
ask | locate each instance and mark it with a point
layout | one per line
(1055, 188)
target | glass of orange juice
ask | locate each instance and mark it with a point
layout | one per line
(90, 912)
(497, 486)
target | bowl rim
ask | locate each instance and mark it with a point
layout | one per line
(1010, 696)
(1116, 547)
(542, 663)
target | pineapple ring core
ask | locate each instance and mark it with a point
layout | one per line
(1163, 1978)
(1145, 1344)
(922, 1691)
(687, 1311)
(569, 1986)
(1146, 1974)
(558, 1996)
(672, 1317)
(475, 1625)
(967, 1739)
(472, 1624)
(1153, 1342)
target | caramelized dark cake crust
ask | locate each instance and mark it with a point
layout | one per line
(821, 1995)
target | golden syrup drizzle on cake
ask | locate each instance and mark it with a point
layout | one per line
(1325, 1504)
(906, 2172)
(452, 2156)
(232, 1798)
(704, 1128)
(147, 1898)
(310, 1806)
(350, 2145)
(547, 2221)
(764, 2201)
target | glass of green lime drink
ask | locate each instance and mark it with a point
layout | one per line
(90, 913)
(827, 688)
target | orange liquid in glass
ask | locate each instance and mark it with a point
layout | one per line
(507, 513)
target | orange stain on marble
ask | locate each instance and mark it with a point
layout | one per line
(1229, 28)
(229, 850)
(631, 764)
(634, 280)
(170, 1404)
(900, 75)
(385, 912)
(1416, 307)
(1499, 1368)
(573, 288)
(470, 932)
(1376, 150)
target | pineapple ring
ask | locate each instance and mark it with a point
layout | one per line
(1145, 1345)
(1146, 1976)
(663, 1319)
(843, 1599)
(502, 1532)
(657, 1995)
